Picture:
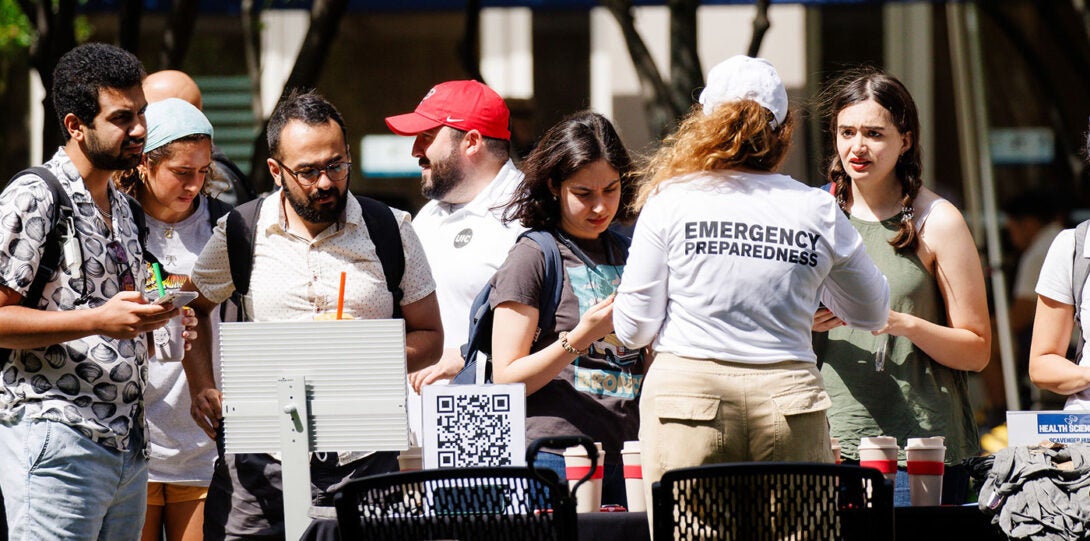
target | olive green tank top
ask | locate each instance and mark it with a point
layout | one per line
(912, 396)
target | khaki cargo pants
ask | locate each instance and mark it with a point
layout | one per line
(702, 411)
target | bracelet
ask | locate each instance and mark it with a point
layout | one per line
(567, 345)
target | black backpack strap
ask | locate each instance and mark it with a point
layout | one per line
(241, 222)
(216, 210)
(481, 320)
(244, 191)
(1080, 270)
(51, 256)
(141, 221)
(49, 264)
(552, 281)
(386, 234)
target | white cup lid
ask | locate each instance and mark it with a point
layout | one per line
(934, 442)
(577, 450)
(877, 442)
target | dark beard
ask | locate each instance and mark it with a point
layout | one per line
(445, 176)
(102, 157)
(303, 206)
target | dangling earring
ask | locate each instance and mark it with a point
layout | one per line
(907, 213)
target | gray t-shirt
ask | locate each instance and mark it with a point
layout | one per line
(598, 393)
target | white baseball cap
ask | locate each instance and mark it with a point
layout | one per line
(745, 78)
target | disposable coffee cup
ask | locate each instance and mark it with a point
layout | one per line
(576, 465)
(410, 459)
(169, 344)
(633, 476)
(880, 453)
(836, 449)
(926, 465)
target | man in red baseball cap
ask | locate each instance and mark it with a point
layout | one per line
(463, 145)
(462, 105)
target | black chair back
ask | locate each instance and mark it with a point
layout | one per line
(773, 501)
(469, 504)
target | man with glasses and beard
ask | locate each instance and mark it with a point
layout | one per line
(463, 144)
(72, 439)
(306, 234)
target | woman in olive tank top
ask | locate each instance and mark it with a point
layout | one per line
(907, 380)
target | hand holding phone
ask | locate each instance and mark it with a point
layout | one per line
(176, 299)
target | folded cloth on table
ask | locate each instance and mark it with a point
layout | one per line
(1040, 492)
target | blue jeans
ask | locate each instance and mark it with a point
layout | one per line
(613, 488)
(58, 484)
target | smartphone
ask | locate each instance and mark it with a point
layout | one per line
(177, 299)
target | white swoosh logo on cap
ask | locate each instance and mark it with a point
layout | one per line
(449, 119)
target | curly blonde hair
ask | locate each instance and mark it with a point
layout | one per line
(737, 135)
(132, 181)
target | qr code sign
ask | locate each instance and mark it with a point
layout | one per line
(474, 426)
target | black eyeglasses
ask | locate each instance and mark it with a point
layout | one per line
(309, 177)
(125, 278)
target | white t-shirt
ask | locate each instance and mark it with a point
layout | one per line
(732, 265)
(181, 453)
(1029, 265)
(467, 244)
(1055, 283)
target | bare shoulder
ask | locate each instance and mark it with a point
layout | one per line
(944, 235)
(942, 220)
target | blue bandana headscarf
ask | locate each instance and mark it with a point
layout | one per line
(172, 119)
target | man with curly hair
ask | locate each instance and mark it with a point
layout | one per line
(72, 428)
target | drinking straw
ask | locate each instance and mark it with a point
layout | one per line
(158, 278)
(340, 298)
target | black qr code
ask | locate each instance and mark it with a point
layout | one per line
(473, 430)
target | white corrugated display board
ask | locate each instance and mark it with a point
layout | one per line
(355, 383)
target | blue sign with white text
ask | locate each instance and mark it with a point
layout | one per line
(1063, 423)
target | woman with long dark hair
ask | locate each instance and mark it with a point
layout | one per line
(579, 379)
(909, 378)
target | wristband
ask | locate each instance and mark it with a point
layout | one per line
(567, 345)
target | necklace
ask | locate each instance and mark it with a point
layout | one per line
(169, 231)
(105, 214)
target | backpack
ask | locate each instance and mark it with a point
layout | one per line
(1080, 270)
(381, 225)
(481, 312)
(62, 227)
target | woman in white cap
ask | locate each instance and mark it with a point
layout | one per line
(728, 263)
(169, 183)
(909, 378)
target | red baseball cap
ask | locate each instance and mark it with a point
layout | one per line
(462, 105)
